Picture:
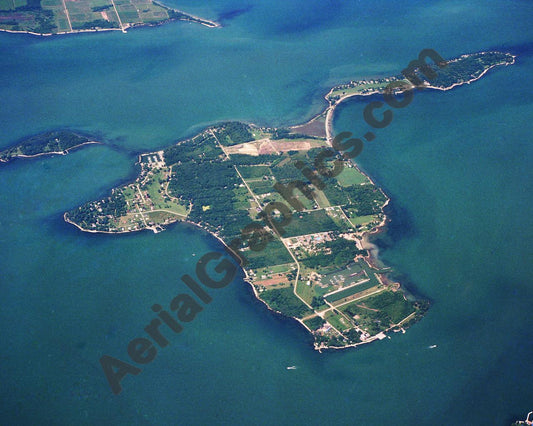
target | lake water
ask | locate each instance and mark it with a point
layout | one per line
(456, 164)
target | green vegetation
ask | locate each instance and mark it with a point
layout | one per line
(274, 253)
(139, 205)
(351, 176)
(233, 133)
(314, 323)
(247, 160)
(278, 134)
(337, 254)
(58, 16)
(261, 187)
(97, 23)
(379, 312)
(338, 321)
(209, 181)
(286, 173)
(100, 216)
(458, 71)
(203, 175)
(365, 199)
(284, 301)
(309, 222)
(362, 87)
(44, 143)
(468, 67)
(349, 291)
(255, 172)
(199, 179)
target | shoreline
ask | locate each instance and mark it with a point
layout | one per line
(41, 154)
(193, 19)
(363, 240)
(332, 105)
(370, 258)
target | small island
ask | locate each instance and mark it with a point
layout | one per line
(458, 71)
(314, 261)
(59, 142)
(47, 17)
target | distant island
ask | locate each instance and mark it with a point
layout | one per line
(463, 70)
(48, 17)
(528, 421)
(317, 268)
(59, 142)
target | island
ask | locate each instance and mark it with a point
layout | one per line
(59, 142)
(47, 17)
(528, 421)
(316, 269)
(308, 211)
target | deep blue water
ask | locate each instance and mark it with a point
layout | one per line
(457, 166)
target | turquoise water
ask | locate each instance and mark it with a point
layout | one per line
(457, 166)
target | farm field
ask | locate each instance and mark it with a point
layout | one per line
(66, 16)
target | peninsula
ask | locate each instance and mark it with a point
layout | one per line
(313, 262)
(47, 17)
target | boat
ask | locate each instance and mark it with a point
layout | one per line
(292, 367)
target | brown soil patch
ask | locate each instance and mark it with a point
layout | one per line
(276, 279)
(315, 127)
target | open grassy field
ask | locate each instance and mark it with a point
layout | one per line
(349, 291)
(351, 176)
(305, 291)
(378, 312)
(254, 172)
(338, 321)
(275, 269)
(362, 220)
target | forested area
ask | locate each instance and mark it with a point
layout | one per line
(234, 133)
(342, 253)
(29, 17)
(365, 199)
(55, 141)
(99, 213)
(203, 177)
(284, 301)
(466, 68)
(309, 222)
(314, 323)
(241, 159)
(201, 148)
